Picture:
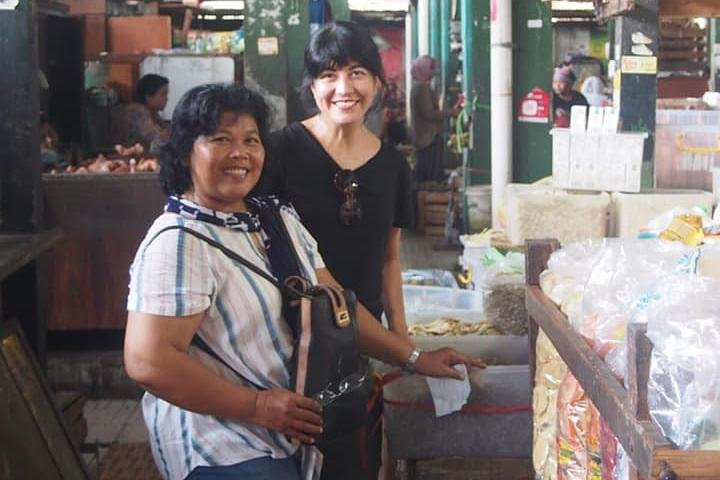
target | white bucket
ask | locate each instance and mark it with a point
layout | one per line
(479, 199)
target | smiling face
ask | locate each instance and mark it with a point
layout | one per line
(226, 164)
(344, 94)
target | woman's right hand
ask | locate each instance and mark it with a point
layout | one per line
(289, 413)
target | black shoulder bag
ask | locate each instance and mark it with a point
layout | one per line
(326, 363)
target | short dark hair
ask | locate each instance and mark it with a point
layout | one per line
(334, 45)
(198, 113)
(149, 85)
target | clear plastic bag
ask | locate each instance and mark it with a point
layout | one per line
(503, 287)
(567, 274)
(684, 383)
(619, 290)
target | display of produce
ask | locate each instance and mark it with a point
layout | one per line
(603, 286)
(451, 326)
(126, 160)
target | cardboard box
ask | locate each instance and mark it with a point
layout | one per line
(132, 35)
(597, 161)
(95, 35)
(630, 212)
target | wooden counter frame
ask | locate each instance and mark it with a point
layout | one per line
(625, 411)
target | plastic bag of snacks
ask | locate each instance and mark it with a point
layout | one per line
(619, 290)
(503, 286)
(578, 434)
(549, 373)
(684, 383)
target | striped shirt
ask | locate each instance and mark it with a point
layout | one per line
(179, 275)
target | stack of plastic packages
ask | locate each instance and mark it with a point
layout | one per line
(602, 286)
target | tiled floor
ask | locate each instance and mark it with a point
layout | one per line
(111, 421)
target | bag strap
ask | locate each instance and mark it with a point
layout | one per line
(232, 255)
(196, 340)
(202, 345)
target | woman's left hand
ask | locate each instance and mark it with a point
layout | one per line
(438, 363)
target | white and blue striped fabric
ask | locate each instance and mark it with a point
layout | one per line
(179, 275)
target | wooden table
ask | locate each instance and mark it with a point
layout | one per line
(625, 411)
(16, 251)
(18, 274)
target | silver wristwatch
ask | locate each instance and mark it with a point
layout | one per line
(409, 365)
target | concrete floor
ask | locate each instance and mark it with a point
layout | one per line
(117, 430)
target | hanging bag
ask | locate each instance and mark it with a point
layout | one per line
(326, 363)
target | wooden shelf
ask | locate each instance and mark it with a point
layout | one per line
(18, 250)
(625, 411)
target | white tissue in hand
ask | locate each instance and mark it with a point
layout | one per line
(449, 395)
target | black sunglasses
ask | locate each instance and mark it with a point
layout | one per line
(350, 210)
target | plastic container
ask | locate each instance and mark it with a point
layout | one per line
(631, 212)
(425, 304)
(687, 148)
(534, 211)
(479, 207)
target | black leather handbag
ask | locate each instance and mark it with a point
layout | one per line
(327, 364)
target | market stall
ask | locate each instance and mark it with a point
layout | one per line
(104, 217)
(623, 410)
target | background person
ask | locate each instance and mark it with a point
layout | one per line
(139, 121)
(230, 414)
(427, 121)
(564, 97)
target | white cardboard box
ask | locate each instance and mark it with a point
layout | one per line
(597, 161)
(630, 212)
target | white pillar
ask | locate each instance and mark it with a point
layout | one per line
(423, 13)
(409, 33)
(501, 103)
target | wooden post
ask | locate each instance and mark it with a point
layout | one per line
(637, 33)
(20, 169)
(639, 349)
(537, 254)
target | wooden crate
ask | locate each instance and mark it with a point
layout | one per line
(432, 210)
(625, 411)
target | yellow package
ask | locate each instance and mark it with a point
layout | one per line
(686, 229)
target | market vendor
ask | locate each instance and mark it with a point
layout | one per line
(564, 96)
(139, 121)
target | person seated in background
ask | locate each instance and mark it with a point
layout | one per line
(139, 121)
(564, 97)
(49, 143)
